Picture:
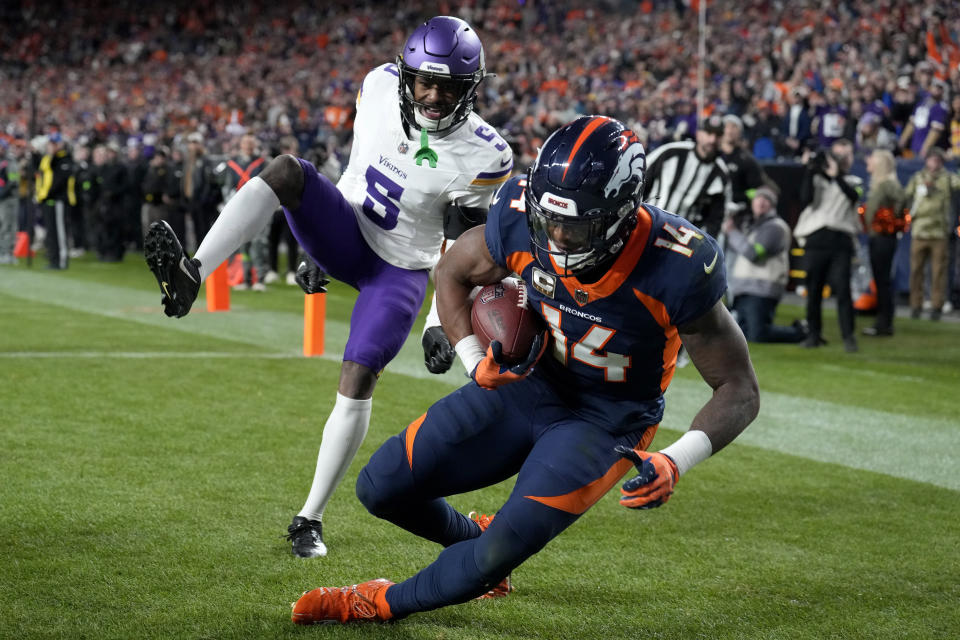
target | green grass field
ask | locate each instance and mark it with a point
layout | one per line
(149, 466)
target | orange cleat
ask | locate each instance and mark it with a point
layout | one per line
(358, 602)
(505, 586)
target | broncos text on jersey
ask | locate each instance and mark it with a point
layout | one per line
(614, 341)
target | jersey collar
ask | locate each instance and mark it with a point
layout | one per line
(622, 267)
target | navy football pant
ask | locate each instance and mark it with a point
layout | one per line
(474, 438)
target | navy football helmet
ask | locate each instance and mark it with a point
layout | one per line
(583, 192)
(447, 52)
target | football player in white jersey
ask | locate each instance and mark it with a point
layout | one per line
(420, 166)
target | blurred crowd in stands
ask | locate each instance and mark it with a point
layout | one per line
(124, 87)
(148, 74)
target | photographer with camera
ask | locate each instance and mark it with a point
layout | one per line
(827, 229)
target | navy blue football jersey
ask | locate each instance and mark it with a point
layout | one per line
(614, 341)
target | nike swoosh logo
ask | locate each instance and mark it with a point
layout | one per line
(504, 163)
(183, 267)
(709, 268)
(165, 290)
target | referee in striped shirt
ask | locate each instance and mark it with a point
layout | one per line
(690, 178)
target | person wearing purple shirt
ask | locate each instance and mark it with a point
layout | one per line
(928, 122)
(830, 118)
(873, 104)
(684, 123)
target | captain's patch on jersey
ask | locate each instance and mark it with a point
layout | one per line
(544, 282)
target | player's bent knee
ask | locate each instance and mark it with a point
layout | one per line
(285, 176)
(384, 482)
(356, 380)
(369, 496)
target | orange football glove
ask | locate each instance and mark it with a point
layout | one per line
(654, 486)
(492, 371)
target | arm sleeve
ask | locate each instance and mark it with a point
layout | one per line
(506, 228)
(850, 191)
(493, 236)
(738, 243)
(485, 184)
(806, 188)
(770, 240)
(703, 289)
(457, 219)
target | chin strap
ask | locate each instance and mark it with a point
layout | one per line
(425, 152)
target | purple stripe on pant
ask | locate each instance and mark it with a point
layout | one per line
(326, 227)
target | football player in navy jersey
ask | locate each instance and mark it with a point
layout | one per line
(620, 285)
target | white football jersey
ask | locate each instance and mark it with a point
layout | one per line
(400, 205)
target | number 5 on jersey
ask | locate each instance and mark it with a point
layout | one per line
(382, 204)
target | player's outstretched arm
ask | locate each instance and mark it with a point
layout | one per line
(466, 265)
(719, 351)
(438, 353)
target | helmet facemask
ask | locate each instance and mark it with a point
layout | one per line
(457, 96)
(572, 242)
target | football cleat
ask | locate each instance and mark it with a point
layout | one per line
(505, 586)
(178, 276)
(356, 603)
(306, 537)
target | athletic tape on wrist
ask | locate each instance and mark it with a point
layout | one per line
(693, 446)
(470, 352)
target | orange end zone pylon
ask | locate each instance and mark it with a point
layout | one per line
(22, 247)
(314, 319)
(218, 290)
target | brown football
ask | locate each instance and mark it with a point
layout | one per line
(500, 312)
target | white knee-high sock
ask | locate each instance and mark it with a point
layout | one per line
(342, 435)
(245, 214)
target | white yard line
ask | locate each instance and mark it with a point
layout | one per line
(903, 446)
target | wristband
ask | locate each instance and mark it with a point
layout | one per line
(693, 446)
(470, 352)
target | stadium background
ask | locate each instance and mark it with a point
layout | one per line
(106, 71)
(140, 498)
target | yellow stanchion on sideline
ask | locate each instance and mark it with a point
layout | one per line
(218, 290)
(314, 321)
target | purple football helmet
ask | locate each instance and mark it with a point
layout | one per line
(445, 52)
(583, 192)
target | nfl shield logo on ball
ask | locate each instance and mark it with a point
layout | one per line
(492, 294)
